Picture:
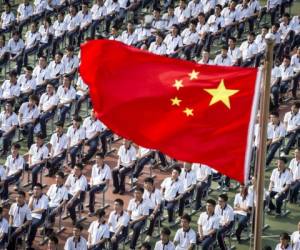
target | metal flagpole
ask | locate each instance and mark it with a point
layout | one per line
(262, 147)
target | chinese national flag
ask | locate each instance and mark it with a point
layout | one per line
(191, 112)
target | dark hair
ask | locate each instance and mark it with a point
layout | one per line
(53, 238)
(79, 226)
(225, 47)
(265, 27)
(211, 202)
(40, 136)
(284, 159)
(38, 185)
(79, 165)
(77, 118)
(286, 15)
(100, 213)
(13, 73)
(70, 48)
(59, 53)
(224, 197)
(177, 168)
(233, 39)
(201, 14)
(251, 33)
(34, 98)
(296, 104)
(3, 37)
(219, 6)
(166, 231)
(16, 33)
(44, 57)
(47, 19)
(139, 189)
(59, 124)
(119, 201)
(16, 146)
(146, 245)
(186, 217)
(60, 174)
(22, 193)
(287, 57)
(1, 210)
(149, 180)
(285, 236)
(101, 155)
(275, 113)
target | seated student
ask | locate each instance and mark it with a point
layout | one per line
(16, 47)
(37, 157)
(294, 167)
(284, 242)
(7, 18)
(14, 166)
(70, 61)
(73, 22)
(85, 19)
(126, 161)
(56, 69)
(226, 216)
(188, 177)
(152, 197)
(19, 219)
(3, 229)
(52, 242)
(41, 74)
(9, 122)
(100, 177)
(32, 40)
(76, 184)
(243, 203)
(172, 190)
(208, 225)
(24, 13)
(280, 182)
(249, 50)
(58, 197)
(164, 243)
(295, 238)
(77, 241)
(118, 224)
(287, 73)
(28, 116)
(144, 156)
(82, 93)
(185, 237)
(93, 127)
(27, 84)
(38, 204)
(98, 232)
(60, 27)
(10, 89)
(76, 135)
(59, 145)
(138, 211)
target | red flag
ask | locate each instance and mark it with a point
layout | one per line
(191, 112)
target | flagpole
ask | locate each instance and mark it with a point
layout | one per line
(262, 147)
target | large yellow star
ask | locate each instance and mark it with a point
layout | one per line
(188, 112)
(221, 94)
(178, 84)
(175, 101)
(193, 75)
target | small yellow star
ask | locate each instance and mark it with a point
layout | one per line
(175, 101)
(178, 84)
(188, 112)
(193, 75)
(221, 94)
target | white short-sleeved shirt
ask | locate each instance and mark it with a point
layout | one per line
(202, 171)
(24, 11)
(215, 23)
(57, 194)
(195, 8)
(31, 38)
(243, 203)
(45, 33)
(2, 173)
(280, 180)
(58, 143)
(81, 84)
(295, 240)
(295, 169)
(41, 203)
(286, 72)
(41, 74)
(65, 95)
(116, 221)
(15, 47)
(172, 188)
(208, 222)
(84, 19)
(127, 156)
(70, 63)
(158, 49)
(158, 24)
(182, 14)
(152, 199)
(278, 247)
(142, 33)
(173, 43)
(185, 239)
(38, 153)
(27, 113)
(98, 11)
(7, 19)
(137, 209)
(229, 16)
(8, 121)
(160, 246)
(112, 7)
(248, 50)
(225, 215)
(208, 5)
(261, 43)
(10, 90)
(188, 178)
(14, 164)
(39, 6)
(275, 131)
(92, 126)
(235, 54)
(3, 226)
(292, 120)
(72, 245)
(223, 61)
(56, 69)
(75, 135)
(295, 62)
(72, 22)
(100, 174)
(26, 85)
(59, 28)
(98, 231)
(47, 101)
(169, 21)
(189, 37)
(129, 39)
(3, 50)
(74, 185)
(19, 214)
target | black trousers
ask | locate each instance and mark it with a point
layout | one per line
(118, 176)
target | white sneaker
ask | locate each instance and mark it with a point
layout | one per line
(133, 180)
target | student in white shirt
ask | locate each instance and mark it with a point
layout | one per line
(144, 157)
(3, 229)
(190, 38)
(47, 107)
(280, 182)
(2, 181)
(14, 167)
(243, 203)
(287, 73)
(77, 241)
(208, 225)
(19, 219)
(16, 47)
(38, 204)
(234, 52)
(226, 216)
(185, 237)
(85, 17)
(24, 12)
(100, 177)
(138, 211)
(56, 69)
(47, 32)
(41, 74)
(206, 58)
(173, 41)
(7, 18)
(172, 190)
(10, 90)
(118, 222)
(223, 59)
(73, 23)
(60, 28)
(4, 52)
(284, 242)
(37, 157)
(32, 41)
(76, 183)
(164, 243)
(82, 93)
(249, 50)
(70, 61)
(126, 162)
(98, 11)
(158, 47)
(294, 167)
(27, 84)
(112, 10)
(52, 242)
(28, 115)
(295, 238)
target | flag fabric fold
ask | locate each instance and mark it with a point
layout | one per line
(191, 112)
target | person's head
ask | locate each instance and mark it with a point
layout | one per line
(284, 239)
(165, 235)
(114, 30)
(145, 246)
(159, 37)
(66, 81)
(224, 51)
(77, 229)
(59, 129)
(2, 40)
(33, 100)
(118, 205)
(138, 193)
(76, 121)
(50, 89)
(232, 5)
(26, 2)
(286, 18)
(156, 13)
(286, 61)
(176, 172)
(281, 163)
(16, 35)
(99, 2)
(59, 178)
(39, 139)
(275, 27)
(187, 166)
(250, 36)
(127, 143)
(58, 56)
(182, 4)
(37, 190)
(93, 114)
(297, 153)
(205, 55)
(295, 108)
(171, 10)
(72, 10)
(28, 71)
(100, 159)
(60, 16)
(201, 17)
(218, 9)
(264, 30)
(149, 184)
(85, 7)
(15, 149)
(210, 206)
(7, 7)
(42, 61)
(185, 221)
(232, 42)
(78, 169)
(70, 51)
(243, 191)
(175, 29)
(52, 242)
(20, 198)
(192, 25)
(47, 22)
(222, 200)
(274, 117)
(33, 27)
(13, 76)
(8, 107)
(130, 27)
(100, 215)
